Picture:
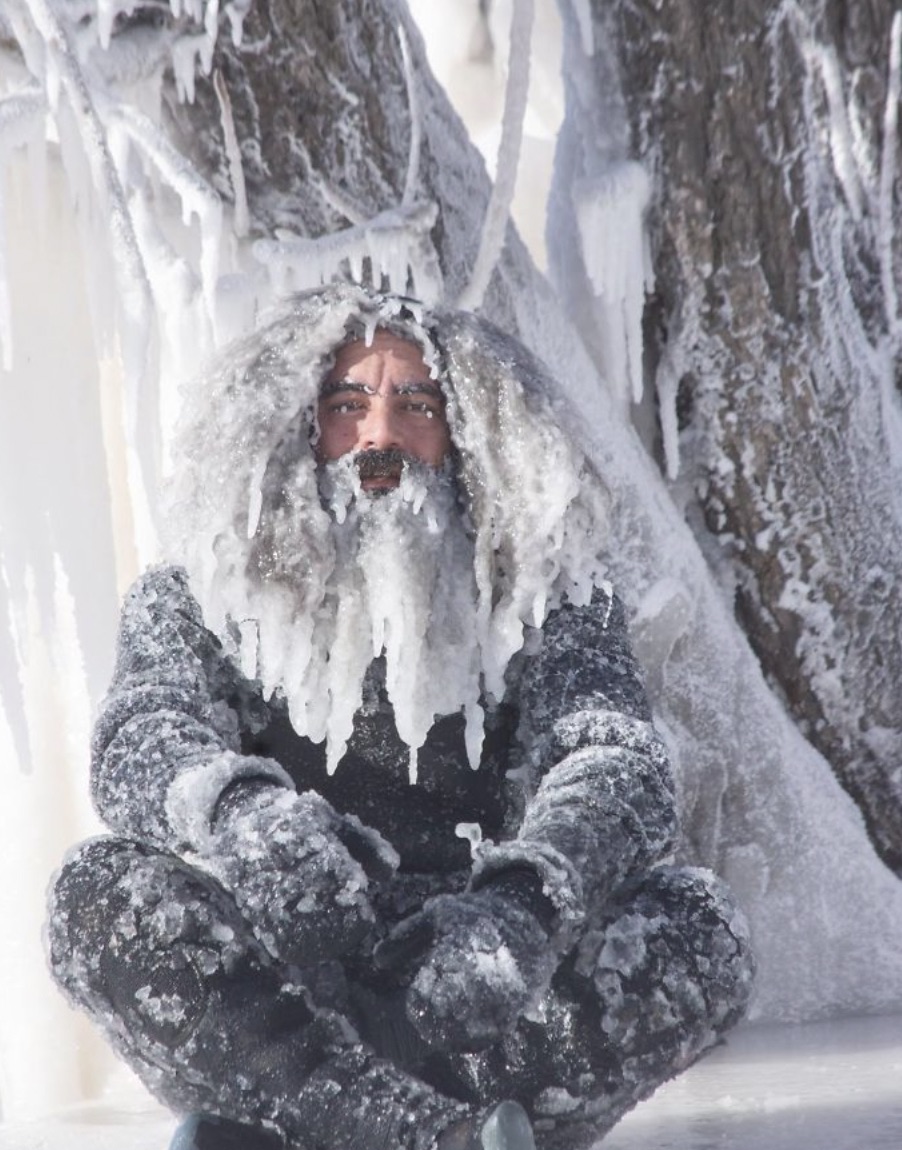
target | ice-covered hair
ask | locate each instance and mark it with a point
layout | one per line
(246, 515)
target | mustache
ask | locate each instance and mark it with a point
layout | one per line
(376, 462)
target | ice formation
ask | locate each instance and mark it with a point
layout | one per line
(609, 212)
(498, 212)
(249, 523)
(762, 804)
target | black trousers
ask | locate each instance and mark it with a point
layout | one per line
(159, 955)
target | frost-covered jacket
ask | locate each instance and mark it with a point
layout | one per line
(573, 780)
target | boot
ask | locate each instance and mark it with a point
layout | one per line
(207, 1132)
(502, 1127)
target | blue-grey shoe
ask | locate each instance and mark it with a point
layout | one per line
(502, 1127)
(207, 1132)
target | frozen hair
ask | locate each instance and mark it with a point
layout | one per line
(246, 515)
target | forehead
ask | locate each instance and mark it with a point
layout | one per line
(386, 351)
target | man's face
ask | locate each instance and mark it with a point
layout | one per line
(381, 398)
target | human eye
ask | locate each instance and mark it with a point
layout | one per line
(424, 407)
(343, 406)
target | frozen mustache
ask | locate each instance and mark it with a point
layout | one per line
(378, 462)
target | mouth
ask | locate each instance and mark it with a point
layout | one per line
(380, 482)
(380, 470)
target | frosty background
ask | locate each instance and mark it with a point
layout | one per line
(721, 309)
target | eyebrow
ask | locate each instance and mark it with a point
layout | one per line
(415, 387)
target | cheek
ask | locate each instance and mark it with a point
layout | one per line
(437, 445)
(335, 437)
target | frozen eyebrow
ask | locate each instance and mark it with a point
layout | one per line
(419, 387)
(337, 385)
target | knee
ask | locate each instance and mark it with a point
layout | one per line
(120, 921)
(683, 934)
(80, 904)
(717, 934)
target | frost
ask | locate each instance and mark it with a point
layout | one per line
(609, 211)
(341, 585)
(888, 171)
(583, 12)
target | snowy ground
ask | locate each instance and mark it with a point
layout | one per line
(828, 1086)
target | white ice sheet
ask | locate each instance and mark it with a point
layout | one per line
(823, 1086)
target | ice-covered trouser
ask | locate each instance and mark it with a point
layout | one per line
(161, 958)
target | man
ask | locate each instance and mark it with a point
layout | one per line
(390, 814)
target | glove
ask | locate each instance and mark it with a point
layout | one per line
(477, 961)
(297, 869)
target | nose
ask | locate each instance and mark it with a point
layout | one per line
(379, 429)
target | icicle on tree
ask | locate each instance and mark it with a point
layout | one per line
(205, 161)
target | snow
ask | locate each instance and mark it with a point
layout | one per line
(823, 1086)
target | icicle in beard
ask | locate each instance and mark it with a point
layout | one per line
(401, 584)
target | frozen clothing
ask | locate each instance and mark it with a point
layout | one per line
(240, 940)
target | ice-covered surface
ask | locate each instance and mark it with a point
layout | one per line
(762, 806)
(821, 1086)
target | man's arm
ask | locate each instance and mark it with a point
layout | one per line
(166, 743)
(167, 769)
(602, 810)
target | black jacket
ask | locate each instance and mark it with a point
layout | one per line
(573, 781)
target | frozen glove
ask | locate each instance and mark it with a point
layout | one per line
(478, 961)
(297, 869)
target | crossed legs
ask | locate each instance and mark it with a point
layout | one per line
(160, 957)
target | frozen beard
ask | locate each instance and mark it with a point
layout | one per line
(401, 585)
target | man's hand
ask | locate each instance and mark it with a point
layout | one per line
(478, 961)
(297, 869)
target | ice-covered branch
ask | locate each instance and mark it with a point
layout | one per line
(397, 243)
(241, 221)
(885, 223)
(416, 126)
(498, 211)
(197, 197)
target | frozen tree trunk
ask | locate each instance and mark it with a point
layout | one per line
(771, 332)
(323, 117)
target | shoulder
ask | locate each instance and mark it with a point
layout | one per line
(161, 597)
(160, 587)
(160, 616)
(603, 615)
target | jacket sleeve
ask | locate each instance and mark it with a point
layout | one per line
(601, 805)
(167, 740)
